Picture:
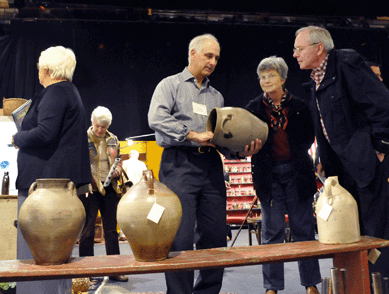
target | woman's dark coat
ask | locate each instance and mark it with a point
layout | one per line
(301, 137)
(53, 142)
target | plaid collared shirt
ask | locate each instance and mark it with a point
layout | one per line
(318, 75)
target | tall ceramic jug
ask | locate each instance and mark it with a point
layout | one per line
(51, 220)
(337, 214)
(149, 215)
(235, 127)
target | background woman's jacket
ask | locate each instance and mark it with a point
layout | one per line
(113, 152)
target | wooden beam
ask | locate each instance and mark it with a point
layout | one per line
(349, 256)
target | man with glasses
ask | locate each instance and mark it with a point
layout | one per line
(350, 109)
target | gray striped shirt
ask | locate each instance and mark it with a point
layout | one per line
(171, 113)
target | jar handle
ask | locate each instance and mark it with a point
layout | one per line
(149, 178)
(32, 188)
(327, 188)
(71, 187)
(226, 134)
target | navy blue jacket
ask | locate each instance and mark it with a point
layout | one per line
(53, 142)
(354, 105)
(301, 137)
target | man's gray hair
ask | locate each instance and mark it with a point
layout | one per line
(101, 115)
(197, 43)
(318, 35)
(276, 63)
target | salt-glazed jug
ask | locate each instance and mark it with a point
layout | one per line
(235, 127)
(337, 214)
(51, 219)
(149, 215)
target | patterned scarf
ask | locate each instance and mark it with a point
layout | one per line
(278, 118)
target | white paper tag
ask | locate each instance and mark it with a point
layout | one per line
(373, 255)
(325, 211)
(155, 213)
(199, 108)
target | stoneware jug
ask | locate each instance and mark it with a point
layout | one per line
(149, 236)
(51, 219)
(337, 214)
(235, 127)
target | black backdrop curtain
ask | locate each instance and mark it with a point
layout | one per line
(120, 63)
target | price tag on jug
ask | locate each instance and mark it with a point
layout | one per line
(155, 213)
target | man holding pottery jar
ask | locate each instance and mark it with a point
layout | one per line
(190, 165)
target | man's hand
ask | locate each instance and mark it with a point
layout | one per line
(320, 170)
(251, 149)
(380, 156)
(201, 138)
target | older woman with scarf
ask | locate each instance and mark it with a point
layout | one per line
(283, 172)
(104, 148)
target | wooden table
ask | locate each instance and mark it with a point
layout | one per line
(352, 257)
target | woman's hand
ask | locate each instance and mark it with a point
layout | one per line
(251, 149)
(116, 173)
(13, 142)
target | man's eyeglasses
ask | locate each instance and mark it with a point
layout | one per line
(300, 49)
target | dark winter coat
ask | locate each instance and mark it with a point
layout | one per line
(53, 142)
(354, 105)
(301, 137)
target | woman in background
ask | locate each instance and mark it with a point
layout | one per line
(104, 149)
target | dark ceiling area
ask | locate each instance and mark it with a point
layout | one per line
(301, 7)
(330, 13)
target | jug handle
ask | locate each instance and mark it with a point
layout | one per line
(226, 134)
(328, 189)
(71, 187)
(148, 177)
(32, 188)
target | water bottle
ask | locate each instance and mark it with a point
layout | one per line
(5, 185)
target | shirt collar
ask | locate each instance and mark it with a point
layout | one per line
(318, 73)
(189, 76)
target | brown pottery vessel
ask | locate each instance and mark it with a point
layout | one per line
(235, 127)
(149, 240)
(51, 220)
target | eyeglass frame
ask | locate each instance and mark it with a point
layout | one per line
(300, 49)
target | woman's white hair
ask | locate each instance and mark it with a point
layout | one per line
(101, 115)
(197, 43)
(60, 61)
